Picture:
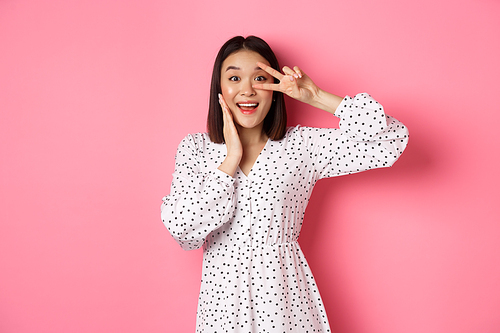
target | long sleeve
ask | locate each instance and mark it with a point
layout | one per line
(199, 202)
(367, 139)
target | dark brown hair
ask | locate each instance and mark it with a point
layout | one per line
(275, 121)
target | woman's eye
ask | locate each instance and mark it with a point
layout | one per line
(260, 78)
(234, 78)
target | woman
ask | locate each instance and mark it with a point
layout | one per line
(241, 189)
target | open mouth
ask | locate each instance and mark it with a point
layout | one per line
(248, 107)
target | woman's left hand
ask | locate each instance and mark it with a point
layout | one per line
(294, 83)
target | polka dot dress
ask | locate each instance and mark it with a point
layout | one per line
(255, 277)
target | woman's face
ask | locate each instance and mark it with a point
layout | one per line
(239, 72)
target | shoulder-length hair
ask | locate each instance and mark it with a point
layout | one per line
(275, 121)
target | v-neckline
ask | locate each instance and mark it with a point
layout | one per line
(255, 162)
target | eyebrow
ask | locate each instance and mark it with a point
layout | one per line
(237, 68)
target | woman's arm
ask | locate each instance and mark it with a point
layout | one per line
(367, 138)
(326, 101)
(232, 140)
(199, 201)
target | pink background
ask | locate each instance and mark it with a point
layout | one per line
(96, 95)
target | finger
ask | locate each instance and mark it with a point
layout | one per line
(290, 72)
(298, 71)
(224, 117)
(268, 86)
(227, 121)
(223, 103)
(287, 70)
(270, 70)
(225, 113)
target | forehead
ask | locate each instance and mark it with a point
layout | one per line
(243, 59)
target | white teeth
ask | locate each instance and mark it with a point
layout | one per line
(248, 105)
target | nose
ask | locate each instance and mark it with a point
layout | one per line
(247, 89)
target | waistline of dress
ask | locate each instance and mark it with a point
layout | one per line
(249, 246)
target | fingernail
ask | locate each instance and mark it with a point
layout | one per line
(291, 78)
(296, 76)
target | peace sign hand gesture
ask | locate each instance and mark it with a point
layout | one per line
(293, 83)
(299, 86)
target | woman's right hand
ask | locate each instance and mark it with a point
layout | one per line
(232, 140)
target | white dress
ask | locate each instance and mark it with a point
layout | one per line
(255, 277)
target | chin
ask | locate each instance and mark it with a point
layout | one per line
(248, 126)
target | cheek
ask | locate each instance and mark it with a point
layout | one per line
(228, 92)
(268, 96)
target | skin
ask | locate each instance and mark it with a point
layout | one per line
(242, 131)
(246, 76)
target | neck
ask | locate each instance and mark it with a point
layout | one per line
(251, 136)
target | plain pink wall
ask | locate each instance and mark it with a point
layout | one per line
(95, 96)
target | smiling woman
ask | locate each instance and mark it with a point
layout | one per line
(249, 106)
(241, 190)
(275, 123)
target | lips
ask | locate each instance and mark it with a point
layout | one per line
(247, 107)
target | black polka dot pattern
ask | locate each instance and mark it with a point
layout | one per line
(255, 277)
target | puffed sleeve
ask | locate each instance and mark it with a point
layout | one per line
(199, 202)
(367, 138)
